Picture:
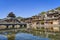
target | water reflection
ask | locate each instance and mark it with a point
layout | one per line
(33, 35)
(26, 36)
(2, 37)
(22, 36)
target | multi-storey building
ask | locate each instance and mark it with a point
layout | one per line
(52, 19)
(49, 20)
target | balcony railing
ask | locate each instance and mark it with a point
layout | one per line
(49, 25)
(51, 18)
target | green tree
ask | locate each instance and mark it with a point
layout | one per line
(42, 13)
(51, 10)
(58, 8)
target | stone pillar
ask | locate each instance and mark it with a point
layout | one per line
(7, 26)
(25, 26)
(12, 26)
(20, 26)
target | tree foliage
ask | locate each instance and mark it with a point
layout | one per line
(42, 13)
(51, 10)
(58, 8)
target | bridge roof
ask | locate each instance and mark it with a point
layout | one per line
(16, 22)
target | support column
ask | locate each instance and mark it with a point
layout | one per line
(20, 26)
(7, 26)
(12, 26)
(25, 26)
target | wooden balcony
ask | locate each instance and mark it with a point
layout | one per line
(49, 25)
(49, 18)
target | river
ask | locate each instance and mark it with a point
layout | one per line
(24, 36)
(29, 35)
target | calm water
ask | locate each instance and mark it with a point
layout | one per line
(23, 36)
(2, 37)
